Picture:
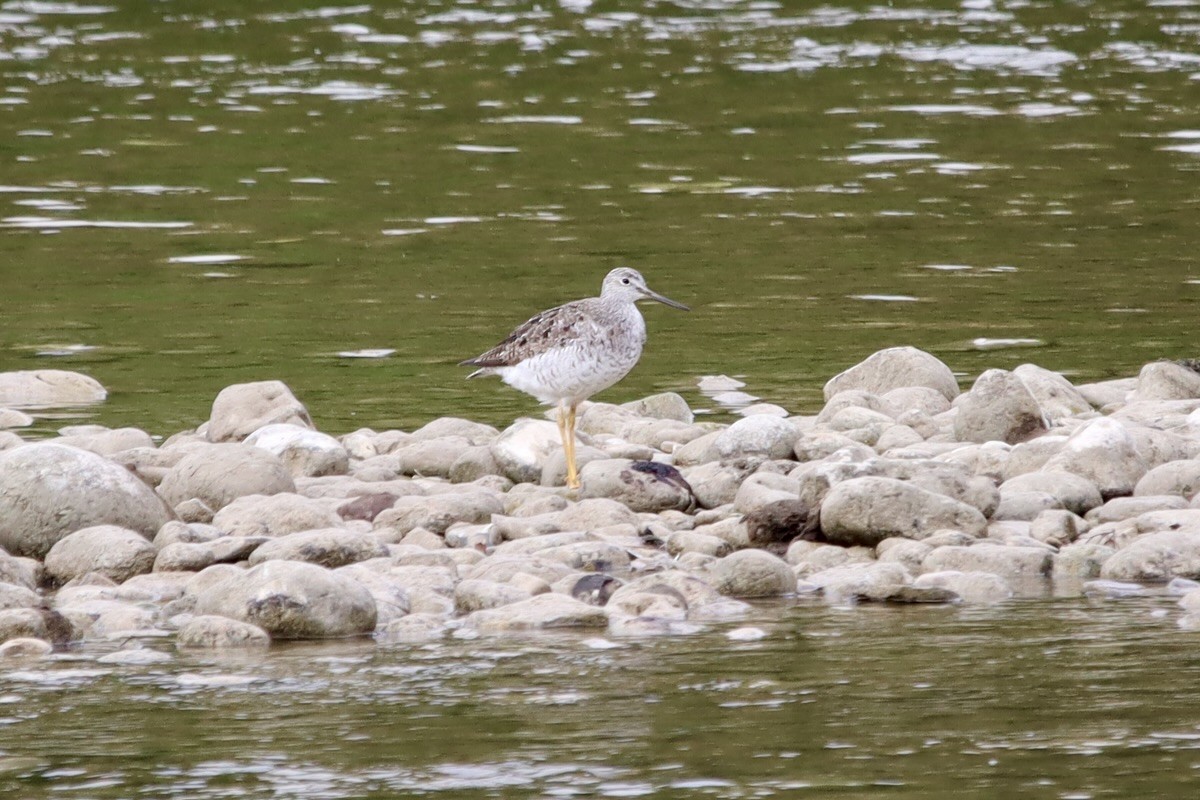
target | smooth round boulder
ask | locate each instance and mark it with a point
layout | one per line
(305, 452)
(48, 491)
(214, 632)
(641, 485)
(275, 515)
(112, 551)
(753, 573)
(998, 408)
(48, 388)
(758, 436)
(895, 368)
(331, 547)
(243, 408)
(865, 511)
(218, 474)
(522, 450)
(292, 600)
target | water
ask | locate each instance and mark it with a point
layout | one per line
(195, 194)
(353, 198)
(1043, 699)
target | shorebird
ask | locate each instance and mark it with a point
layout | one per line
(570, 352)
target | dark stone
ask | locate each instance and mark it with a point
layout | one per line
(595, 589)
(367, 506)
(668, 475)
(913, 595)
(781, 522)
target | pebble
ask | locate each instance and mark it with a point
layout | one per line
(901, 489)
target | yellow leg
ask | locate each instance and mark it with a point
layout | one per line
(569, 448)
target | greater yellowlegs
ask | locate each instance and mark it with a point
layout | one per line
(569, 353)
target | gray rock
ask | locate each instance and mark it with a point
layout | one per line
(412, 629)
(896, 368)
(1166, 380)
(503, 569)
(974, 587)
(762, 489)
(1025, 506)
(330, 547)
(274, 515)
(908, 553)
(753, 573)
(303, 451)
(780, 522)
(865, 580)
(393, 591)
(243, 408)
(1055, 395)
(11, 418)
(642, 486)
(13, 596)
(716, 483)
(218, 474)
(292, 600)
(25, 648)
(436, 513)
(680, 542)
(998, 408)
(1181, 478)
(1021, 564)
(1108, 393)
(111, 550)
(1073, 492)
(758, 436)
(522, 449)
(102, 619)
(667, 405)
(588, 514)
(475, 595)
(865, 511)
(822, 444)
(48, 388)
(924, 400)
(48, 491)
(472, 464)
(105, 442)
(476, 433)
(544, 611)
(1104, 452)
(215, 632)
(1156, 557)
(1032, 456)
(700, 450)
(21, 571)
(1080, 561)
(1121, 508)
(1057, 528)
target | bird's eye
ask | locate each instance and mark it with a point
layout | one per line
(625, 281)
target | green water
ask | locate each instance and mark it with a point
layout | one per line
(279, 183)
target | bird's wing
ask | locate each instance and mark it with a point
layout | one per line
(556, 327)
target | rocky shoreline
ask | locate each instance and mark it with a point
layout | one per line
(257, 527)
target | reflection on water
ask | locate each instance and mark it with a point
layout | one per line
(199, 195)
(1045, 699)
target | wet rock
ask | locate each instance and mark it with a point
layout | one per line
(292, 600)
(642, 486)
(757, 437)
(412, 629)
(391, 590)
(974, 587)
(1080, 561)
(544, 611)
(648, 599)
(25, 648)
(1020, 564)
(48, 491)
(895, 368)
(1073, 492)
(753, 573)
(102, 619)
(867, 580)
(243, 408)
(215, 632)
(48, 388)
(1104, 452)
(429, 589)
(1164, 380)
(218, 474)
(865, 511)
(274, 515)
(303, 451)
(998, 408)
(111, 550)
(329, 547)
(11, 418)
(1156, 557)
(1181, 478)
(522, 449)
